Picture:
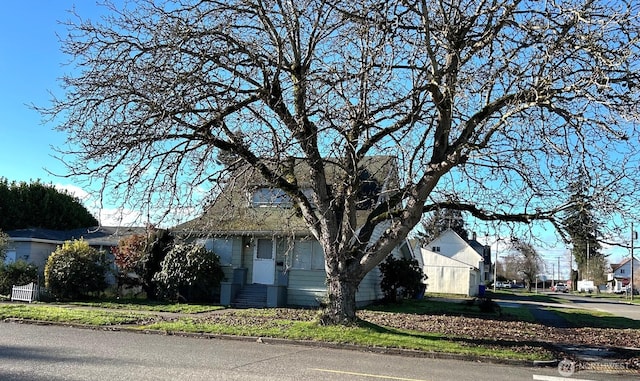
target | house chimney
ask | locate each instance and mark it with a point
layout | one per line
(474, 236)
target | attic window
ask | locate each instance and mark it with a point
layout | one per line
(435, 249)
(263, 197)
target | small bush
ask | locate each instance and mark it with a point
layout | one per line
(189, 273)
(401, 278)
(75, 270)
(17, 273)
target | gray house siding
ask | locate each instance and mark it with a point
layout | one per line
(306, 287)
(369, 290)
(36, 253)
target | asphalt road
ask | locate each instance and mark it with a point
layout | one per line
(54, 353)
(615, 307)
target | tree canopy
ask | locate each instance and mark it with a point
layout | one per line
(527, 261)
(493, 104)
(36, 205)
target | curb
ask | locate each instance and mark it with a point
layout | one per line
(306, 343)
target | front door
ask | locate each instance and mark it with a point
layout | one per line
(264, 261)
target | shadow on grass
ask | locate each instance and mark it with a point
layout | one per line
(463, 307)
(530, 345)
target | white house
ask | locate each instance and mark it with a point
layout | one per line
(454, 265)
(620, 275)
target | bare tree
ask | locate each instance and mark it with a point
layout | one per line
(527, 261)
(493, 102)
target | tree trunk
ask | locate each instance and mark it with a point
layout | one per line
(341, 305)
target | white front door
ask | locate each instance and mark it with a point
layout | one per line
(264, 261)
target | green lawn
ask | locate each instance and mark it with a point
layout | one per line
(145, 305)
(53, 313)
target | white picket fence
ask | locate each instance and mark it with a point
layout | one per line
(26, 293)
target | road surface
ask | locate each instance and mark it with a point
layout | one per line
(612, 306)
(56, 353)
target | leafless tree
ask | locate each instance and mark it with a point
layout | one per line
(527, 262)
(492, 103)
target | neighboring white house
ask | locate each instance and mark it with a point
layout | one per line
(454, 265)
(620, 275)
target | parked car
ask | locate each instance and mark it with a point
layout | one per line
(560, 287)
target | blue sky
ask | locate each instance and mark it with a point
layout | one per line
(30, 65)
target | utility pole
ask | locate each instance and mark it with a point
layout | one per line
(588, 276)
(634, 235)
(495, 267)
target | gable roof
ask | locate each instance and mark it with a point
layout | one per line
(232, 213)
(95, 236)
(616, 266)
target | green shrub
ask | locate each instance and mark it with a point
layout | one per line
(401, 278)
(75, 270)
(17, 273)
(189, 273)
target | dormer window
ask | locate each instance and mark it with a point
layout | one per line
(264, 197)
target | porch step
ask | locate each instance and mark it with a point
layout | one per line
(251, 296)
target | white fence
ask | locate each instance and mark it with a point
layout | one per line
(26, 293)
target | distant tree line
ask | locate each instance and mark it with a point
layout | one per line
(37, 205)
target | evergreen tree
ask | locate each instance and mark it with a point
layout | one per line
(439, 221)
(37, 205)
(581, 228)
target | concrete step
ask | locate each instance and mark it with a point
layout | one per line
(251, 296)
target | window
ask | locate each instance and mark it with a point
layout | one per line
(221, 247)
(270, 197)
(265, 249)
(10, 257)
(435, 249)
(307, 255)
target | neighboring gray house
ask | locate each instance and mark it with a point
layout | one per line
(35, 245)
(270, 257)
(454, 265)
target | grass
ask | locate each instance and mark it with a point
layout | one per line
(51, 313)
(459, 306)
(619, 297)
(152, 306)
